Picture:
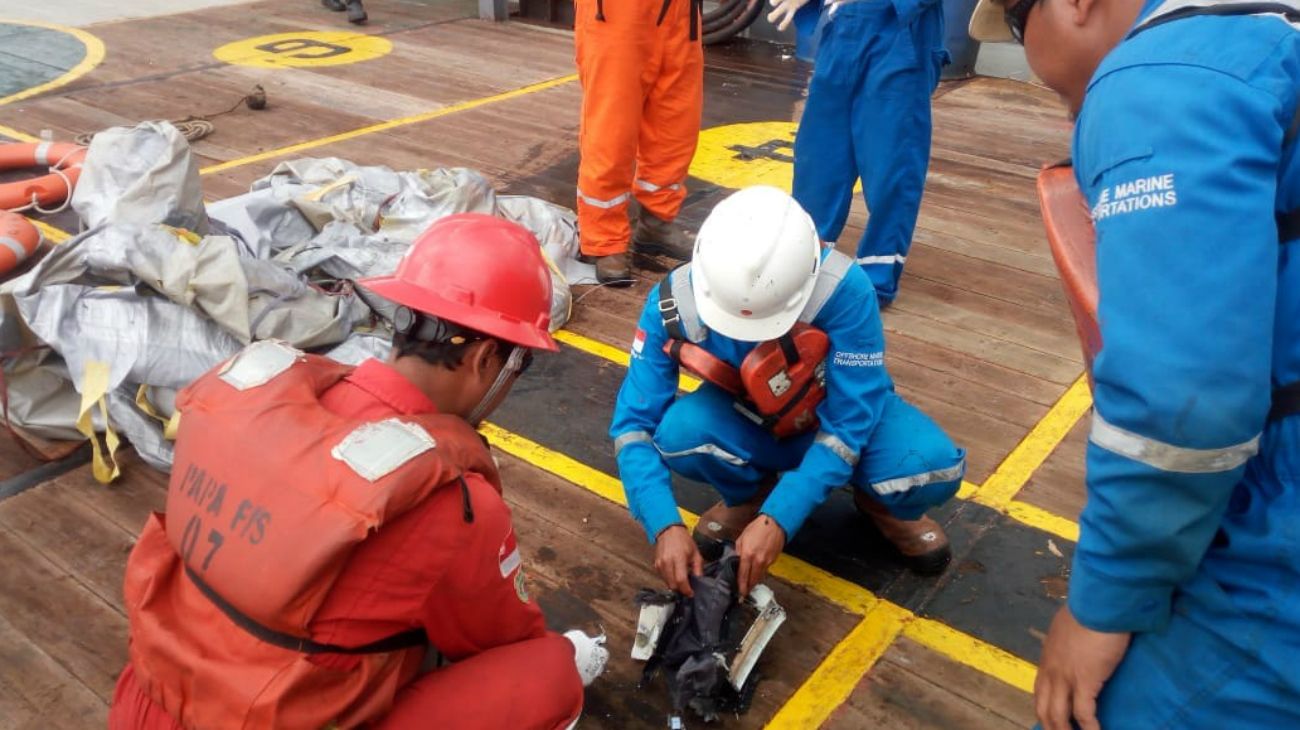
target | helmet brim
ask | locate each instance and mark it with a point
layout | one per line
(988, 23)
(524, 334)
(745, 329)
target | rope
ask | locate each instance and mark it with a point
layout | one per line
(195, 128)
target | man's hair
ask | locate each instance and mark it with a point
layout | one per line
(448, 354)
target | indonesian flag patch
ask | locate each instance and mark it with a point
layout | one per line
(638, 342)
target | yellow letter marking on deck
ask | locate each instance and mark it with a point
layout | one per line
(304, 49)
(750, 153)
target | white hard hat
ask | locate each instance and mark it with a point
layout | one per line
(755, 264)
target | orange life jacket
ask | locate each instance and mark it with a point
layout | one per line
(781, 382)
(269, 495)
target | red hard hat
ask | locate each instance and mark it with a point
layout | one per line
(480, 272)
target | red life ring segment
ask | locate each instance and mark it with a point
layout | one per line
(18, 240)
(63, 160)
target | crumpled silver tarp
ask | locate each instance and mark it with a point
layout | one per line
(159, 290)
(140, 175)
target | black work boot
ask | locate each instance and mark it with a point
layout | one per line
(613, 270)
(656, 236)
(922, 543)
(356, 13)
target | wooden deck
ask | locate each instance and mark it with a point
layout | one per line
(979, 337)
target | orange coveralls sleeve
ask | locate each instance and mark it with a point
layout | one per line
(507, 670)
(642, 75)
(482, 601)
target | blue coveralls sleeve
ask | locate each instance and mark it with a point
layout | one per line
(909, 10)
(856, 388)
(1179, 167)
(648, 389)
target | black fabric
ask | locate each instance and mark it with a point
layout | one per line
(467, 506)
(668, 309)
(405, 640)
(701, 638)
(1288, 226)
(1286, 401)
(786, 341)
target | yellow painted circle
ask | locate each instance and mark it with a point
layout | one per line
(750, 153)
(304, 49)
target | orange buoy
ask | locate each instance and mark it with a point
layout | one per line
(61, 159)
(18, 240)
(1073, 240)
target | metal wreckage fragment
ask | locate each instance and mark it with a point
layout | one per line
(700, 644)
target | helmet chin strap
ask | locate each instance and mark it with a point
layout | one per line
(513, 363)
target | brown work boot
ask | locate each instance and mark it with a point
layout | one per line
(922, 543)
(656, 236)
(613, 270)
(721, 522)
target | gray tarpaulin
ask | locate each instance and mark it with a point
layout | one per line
(159, 289)
(140, 175)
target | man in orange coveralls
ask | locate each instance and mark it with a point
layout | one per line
(641, 65)
(330, 530)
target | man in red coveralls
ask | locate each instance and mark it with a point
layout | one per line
(277, 449)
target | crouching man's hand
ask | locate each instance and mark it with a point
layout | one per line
(758, 547)
(677, 559)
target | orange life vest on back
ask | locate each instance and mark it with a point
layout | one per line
(269, 495)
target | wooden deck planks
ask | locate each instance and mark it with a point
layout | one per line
(913, 688)
(980, 336)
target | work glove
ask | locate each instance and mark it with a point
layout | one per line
(589, 653)
(783, 12)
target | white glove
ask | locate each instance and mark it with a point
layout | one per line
(589, 653)
(783, 12)
(833, 7)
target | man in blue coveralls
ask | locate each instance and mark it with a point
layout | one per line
(759, 269)
(1184, 607)
(877, 62)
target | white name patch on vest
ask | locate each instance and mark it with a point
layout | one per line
(1144, 193)
(375, 450)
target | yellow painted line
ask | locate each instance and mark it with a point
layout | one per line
(392, 124)
(834, 680)
(94, 56)
(12, 133)
(1013, 473)
(972, 652)
(1034, 516)
(686, 383)
(52, 234)
(849, 596)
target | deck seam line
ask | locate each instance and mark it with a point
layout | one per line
(391, 124)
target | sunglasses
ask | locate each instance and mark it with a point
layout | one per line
(1017, 16)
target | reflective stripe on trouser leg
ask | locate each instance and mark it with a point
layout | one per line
(670, 122)
(910, 464)
(891, 141)
(610, 69)
(702, 437)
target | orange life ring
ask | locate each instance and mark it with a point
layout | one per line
(63, 160)
(18, 240)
